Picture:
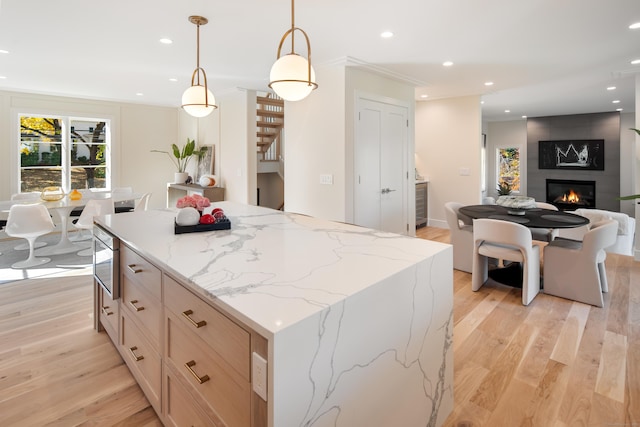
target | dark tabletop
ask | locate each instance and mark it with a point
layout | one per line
(534, 217)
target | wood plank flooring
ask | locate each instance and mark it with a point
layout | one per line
(555, 363)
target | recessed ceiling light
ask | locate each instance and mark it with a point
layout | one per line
(635, 62)
(481, 102)
(611, 88)
(507, 111)
(139, 94)
(386, 34)
(3, 77)
(524, 117)
(447, 63)
(634, 26)
(488, 83)
(617, 101)
(424, 96)
(166, 41)
(173, 79)
(619, 109)
(4, 51)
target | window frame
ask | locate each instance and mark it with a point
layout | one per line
(66, 145)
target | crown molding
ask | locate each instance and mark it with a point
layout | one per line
(349, 61)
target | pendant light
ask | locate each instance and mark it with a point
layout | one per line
(292, 76)
(197, 100)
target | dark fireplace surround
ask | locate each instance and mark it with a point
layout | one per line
(570, 194)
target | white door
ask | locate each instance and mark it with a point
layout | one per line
(381, 166)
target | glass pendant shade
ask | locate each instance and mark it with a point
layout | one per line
(195, 103)
(289, 77)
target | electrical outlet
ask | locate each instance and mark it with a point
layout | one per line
(259, 375)
(464, 171)
(326, 179)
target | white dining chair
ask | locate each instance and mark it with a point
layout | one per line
(575, 269)
(27, 195)
(461, 232)
(93, 208)
(507, 241)
(544, 234)
(143, 203)
(29, 222)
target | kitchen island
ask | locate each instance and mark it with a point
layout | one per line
(355, 325)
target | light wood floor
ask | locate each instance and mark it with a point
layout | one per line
(555, 363)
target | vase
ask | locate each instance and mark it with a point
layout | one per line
(180, 177)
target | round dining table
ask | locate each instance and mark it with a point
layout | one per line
(533, 217)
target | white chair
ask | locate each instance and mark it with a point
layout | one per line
(461, 231)
(143, 203)
(544, 234)
(509, 241)
(93, 208)
(575, 269)
(29, 222)
(27, 195)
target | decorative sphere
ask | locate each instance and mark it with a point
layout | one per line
(195, 95)
(207, 181)
(188, 216)
(292, 67)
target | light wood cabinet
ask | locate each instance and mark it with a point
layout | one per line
(176, 191)
(192, 360)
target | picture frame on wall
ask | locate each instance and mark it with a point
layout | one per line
(583, 154)
(206, 163)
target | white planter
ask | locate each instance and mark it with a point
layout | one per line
(180, 177)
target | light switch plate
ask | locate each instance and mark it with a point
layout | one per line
(259, 375)
(326, 179)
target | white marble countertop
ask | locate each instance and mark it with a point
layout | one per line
(272, 269)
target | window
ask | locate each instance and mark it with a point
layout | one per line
(509, 167)
(63, 152)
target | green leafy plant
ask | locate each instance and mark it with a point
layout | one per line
(504, 188)
(183, 156)
(633, 196)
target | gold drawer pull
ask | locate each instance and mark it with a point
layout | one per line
(199, 324)
(134, 270)
(135, 356)
(202, 379)
(133, 304)
(104, 310)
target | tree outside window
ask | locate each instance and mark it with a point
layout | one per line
(63, 152)
(509, 167)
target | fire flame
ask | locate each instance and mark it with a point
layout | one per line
(572, 197)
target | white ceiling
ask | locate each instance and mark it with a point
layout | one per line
(545, 57)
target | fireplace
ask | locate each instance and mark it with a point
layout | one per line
(568, 194)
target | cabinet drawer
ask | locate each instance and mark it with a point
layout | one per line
(109, 314)
(226, 392)
(180, 408)
(140, 270)
(224, 336)
(143, 361)
(143, 307)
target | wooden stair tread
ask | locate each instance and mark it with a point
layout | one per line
(267, 113)
(263, 124)
(270, 101)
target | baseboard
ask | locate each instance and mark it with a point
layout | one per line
(438, 223)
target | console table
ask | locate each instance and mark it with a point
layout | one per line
(175, 191)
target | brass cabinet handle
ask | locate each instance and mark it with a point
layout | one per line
(202, 379)
(135, 356)
(188, 314)
(134, 270)
(104, 310)
(133, 303)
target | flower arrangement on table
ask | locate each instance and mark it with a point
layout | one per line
(193, 201)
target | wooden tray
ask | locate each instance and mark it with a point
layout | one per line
(181, 229)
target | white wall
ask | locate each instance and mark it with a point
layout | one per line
(237, 163)
(448, 139)
(502, 135)
(135, 130)
(315, 134)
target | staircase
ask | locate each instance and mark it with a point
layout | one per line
(270, 122)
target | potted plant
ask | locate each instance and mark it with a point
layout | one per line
(504, 188)
(181, 158)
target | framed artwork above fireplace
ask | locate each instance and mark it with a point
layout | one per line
(578, 154)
